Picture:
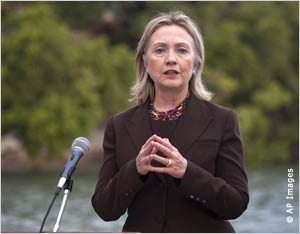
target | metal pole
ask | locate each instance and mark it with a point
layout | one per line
(68, 188)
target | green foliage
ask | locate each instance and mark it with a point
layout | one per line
(252, 66)
(114, 67)
(71, 67)
(52, 82)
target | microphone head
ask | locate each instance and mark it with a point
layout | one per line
(82, 144)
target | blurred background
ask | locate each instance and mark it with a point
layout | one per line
(68, 66)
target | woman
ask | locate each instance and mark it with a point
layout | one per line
(175, 161)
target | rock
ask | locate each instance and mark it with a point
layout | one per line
(14, 157)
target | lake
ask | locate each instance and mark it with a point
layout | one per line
(25, 199)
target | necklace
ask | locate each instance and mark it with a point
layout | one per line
(172, 114)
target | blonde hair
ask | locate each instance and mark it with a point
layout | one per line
(144, 86)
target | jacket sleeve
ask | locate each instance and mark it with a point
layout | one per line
(226, 192)
(115, 188)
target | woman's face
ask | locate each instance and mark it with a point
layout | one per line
(170, 58)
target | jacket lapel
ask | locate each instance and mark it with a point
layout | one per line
(139, 130)
(192, 124)
(138, 126)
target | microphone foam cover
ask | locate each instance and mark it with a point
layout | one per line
(82, 143)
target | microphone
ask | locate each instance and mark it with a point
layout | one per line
(80, 146)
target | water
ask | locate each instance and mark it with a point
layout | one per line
(25, 199)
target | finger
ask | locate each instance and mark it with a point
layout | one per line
(165, 142)
(143, 161)
(162, 160)
(159, 169)
(149, 144)
(149, 140)
(165, 150)
(148, 148)
(147, 160)
(154, 150)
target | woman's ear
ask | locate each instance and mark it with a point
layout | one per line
(198, 62)
(145, 61)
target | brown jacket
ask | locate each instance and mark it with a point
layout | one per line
(213, 189)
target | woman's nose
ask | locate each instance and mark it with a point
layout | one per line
(171, 58)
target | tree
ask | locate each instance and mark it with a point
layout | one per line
(48, 95)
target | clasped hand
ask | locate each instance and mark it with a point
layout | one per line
(175, 163)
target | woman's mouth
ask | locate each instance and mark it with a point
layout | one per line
(171, 72)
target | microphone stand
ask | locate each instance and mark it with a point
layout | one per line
(67, 189)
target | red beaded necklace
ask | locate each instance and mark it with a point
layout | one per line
(173, 114)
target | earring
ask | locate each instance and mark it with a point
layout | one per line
(147, 70)
(194, 72)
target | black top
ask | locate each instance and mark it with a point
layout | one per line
(163, 129)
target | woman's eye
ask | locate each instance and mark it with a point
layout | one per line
(183, 51)
(159, 51)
